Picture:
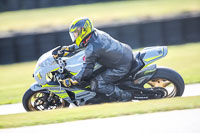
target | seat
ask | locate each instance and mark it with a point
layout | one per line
(136, 66)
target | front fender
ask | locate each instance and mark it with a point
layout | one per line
(145, 74)
(36, 87)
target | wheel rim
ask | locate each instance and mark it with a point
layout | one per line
(164, 83)
(38, 101)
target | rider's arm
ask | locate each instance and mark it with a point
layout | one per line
(88, 66)
(70, 48)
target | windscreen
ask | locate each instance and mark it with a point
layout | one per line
(45, 60)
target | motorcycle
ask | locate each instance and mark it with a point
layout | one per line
(145, 81)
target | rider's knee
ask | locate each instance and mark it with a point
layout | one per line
(94, 85)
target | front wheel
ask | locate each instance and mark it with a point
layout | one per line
(42, 100)
(168, 79)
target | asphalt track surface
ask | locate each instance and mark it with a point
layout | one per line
(190, 90)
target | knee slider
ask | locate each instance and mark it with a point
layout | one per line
(94, 85)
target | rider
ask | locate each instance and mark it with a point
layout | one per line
(102, 48)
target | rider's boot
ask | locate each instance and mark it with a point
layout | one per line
(120, 95)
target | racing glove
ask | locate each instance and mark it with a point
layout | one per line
(70, 48)
(64, 50)
(60, 53)
(69, 82)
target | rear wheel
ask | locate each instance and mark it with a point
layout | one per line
(168, 79)
(42, 100)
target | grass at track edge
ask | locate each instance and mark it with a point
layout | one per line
(98, 111)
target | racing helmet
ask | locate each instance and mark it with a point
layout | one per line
(80, 29)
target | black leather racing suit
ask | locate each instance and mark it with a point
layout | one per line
(115, 56)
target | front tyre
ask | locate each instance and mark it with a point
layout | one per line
(168, 79)
(42, 100)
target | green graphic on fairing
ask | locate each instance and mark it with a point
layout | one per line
(47, 85)
(63, 94)
(152, 58)
(152, 54)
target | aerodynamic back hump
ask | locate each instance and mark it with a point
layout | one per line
(151, 54)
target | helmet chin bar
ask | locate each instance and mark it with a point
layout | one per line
(84, 43)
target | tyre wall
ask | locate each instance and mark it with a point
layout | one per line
(29, 46)
(13, 5)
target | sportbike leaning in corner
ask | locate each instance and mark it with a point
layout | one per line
(146, 81)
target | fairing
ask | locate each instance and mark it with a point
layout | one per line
(151, 54)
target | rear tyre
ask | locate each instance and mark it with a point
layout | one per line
(168, 79)
(41, 100)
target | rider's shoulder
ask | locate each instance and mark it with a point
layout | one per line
(100, 33)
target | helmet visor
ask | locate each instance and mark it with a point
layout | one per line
(74, 34)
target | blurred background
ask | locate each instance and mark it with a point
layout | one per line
(29, 28)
